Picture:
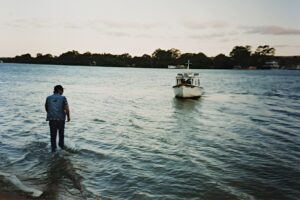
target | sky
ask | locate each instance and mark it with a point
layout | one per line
(140, 27)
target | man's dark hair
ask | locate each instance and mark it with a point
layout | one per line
(58, 88)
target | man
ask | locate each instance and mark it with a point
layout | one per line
(57, 108)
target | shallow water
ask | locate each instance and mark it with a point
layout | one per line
(129, 138)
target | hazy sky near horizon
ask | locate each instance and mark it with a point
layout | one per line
(141, 26)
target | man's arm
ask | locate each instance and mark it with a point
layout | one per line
(46, 105)
(66, 109)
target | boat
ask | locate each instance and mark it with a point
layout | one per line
(188, 85)
(176, 67)
(271, 65)
(171, 67)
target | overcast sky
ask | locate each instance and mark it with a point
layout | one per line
(141, 26)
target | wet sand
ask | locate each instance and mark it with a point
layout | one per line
(11, 196)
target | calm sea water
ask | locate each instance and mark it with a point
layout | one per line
(129, 138)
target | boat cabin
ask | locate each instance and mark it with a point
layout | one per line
(188, 78)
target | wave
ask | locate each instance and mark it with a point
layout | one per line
(99, 120)
(133, 124)
(14, 181)
(56, 174)
(19, 159)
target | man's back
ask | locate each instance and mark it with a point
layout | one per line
(55, 106)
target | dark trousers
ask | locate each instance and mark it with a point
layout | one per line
(57, 125)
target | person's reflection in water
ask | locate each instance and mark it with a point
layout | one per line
(61, 172)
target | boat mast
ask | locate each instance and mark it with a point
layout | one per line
(188, 64)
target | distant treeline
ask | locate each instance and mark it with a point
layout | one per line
(240, 56)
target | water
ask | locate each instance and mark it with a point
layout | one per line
(129, 138)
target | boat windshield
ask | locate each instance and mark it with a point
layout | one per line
(188, 78)
(192, 81)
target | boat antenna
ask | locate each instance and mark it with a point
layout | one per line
(188, 64)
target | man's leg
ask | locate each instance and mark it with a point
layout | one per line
(53, 134)
(61, 130)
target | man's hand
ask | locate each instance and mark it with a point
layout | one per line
(67, 111)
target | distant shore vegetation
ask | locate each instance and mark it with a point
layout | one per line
(240, 57)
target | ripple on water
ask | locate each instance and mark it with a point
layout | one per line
(99, 120)
(239, 141)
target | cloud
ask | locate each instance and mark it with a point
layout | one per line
(113, 24)
(40, 23)
(208, 36)
(286, 46)
(24, 23)
(271, 30)
(282, 46)
(225, 40)
(149, 36)
(225, 36)
(118, 34)
(190, 24)
(72, 26)
(121, 28)
(112, 27)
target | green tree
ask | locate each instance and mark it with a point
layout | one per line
(199, 60)
(163, 58)
(125, 59)
(222, 62)
(265, 50)
(25, 58)
(241, 55)
(69, 58)
(43, 59)
(143, 61)
(263, 54)
(84, 59)
(175, 53)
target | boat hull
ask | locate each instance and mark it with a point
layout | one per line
(187, 91)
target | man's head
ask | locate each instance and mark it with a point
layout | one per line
(58, 89)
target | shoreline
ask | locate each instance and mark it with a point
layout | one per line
(12, 196)
(96, 66)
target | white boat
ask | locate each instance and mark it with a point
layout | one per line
(176, 67)
(271, 65)
(171, 67)
(188, 85)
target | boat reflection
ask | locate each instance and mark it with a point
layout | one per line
(186, 104)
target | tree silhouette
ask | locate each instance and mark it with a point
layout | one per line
(241, 55)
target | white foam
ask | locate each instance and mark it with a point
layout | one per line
(16, 182)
